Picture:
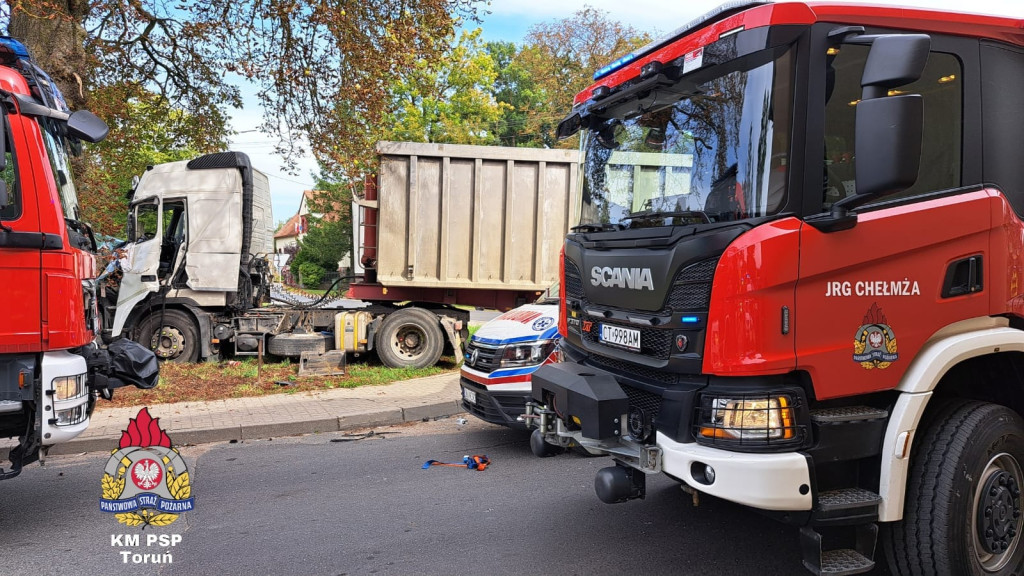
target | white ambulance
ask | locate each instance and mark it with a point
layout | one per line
(501, 356)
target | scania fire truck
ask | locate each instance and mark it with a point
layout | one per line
(52, 370)
(797, 281)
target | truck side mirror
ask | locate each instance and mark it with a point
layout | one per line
(569, 126)
(889, 128)
(888, 146)
(894, 60)
(87, 126)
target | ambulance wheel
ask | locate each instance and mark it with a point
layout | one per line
(410, 338)
(962, 511)
(542, 449)
(176, 340)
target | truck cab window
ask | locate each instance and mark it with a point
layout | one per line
(174, 222)
(941, 88)
(174, 235)
(144, 223)
(10, 175)
(58, 152)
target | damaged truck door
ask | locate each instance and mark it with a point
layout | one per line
(141, 261)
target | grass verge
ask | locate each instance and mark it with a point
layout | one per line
(241, 378)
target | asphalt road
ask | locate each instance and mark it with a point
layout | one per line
(317, 505)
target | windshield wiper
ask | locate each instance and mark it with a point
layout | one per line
(668, 214)
(596, 227)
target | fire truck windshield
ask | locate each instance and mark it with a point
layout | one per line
(59, 153)
(719, 154)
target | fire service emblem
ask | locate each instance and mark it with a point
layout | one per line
(146, 482)
(874, 345)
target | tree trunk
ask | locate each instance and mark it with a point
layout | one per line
(54, 32)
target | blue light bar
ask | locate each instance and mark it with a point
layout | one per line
(608, 69)
(14, 46)
(718, 13)
(690, 319)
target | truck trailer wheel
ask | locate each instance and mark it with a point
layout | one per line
(176, 340)
(962, 512)
(410, 338)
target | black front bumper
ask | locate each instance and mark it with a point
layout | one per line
(599, 399)
(501, 408)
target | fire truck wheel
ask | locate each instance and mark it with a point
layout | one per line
(410, 338)
(177, 341)
(962, 512)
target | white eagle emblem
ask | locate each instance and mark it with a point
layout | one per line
(147, 474)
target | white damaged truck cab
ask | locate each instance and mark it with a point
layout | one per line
(198, 235)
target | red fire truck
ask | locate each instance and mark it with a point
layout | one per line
(797, 282)
(51, 368)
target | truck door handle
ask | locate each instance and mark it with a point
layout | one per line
(963, 277)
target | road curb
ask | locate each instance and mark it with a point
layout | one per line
(431, 411)
(385, 417)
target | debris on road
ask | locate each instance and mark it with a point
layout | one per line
(474, 462)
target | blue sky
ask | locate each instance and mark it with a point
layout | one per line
(510, 20)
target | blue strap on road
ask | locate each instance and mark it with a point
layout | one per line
(474, 462)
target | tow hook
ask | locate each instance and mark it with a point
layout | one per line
(552, 435)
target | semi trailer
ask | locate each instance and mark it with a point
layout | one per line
(441, 226)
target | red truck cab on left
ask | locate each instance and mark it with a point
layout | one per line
(52, 368)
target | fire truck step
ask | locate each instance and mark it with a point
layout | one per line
(847, 414)
(847, 498)
(839, 561)
(846, 506)
(842, 562)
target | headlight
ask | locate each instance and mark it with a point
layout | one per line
(69, 387)
(527, 354)
(748, 419)
(71, 416)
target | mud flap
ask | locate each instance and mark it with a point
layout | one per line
(454, 337)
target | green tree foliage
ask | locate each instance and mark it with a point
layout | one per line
(561, 57)
(330, 234)
(323, 67)
(311, 274)
(449, 99)
(516, 89)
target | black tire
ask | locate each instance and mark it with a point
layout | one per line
(542, 449)
(177, 341)
(410, 338)
(293, 345)
(964, 479)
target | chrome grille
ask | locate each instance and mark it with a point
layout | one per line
(488, 358)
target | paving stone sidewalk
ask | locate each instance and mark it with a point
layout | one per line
(280, 414)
